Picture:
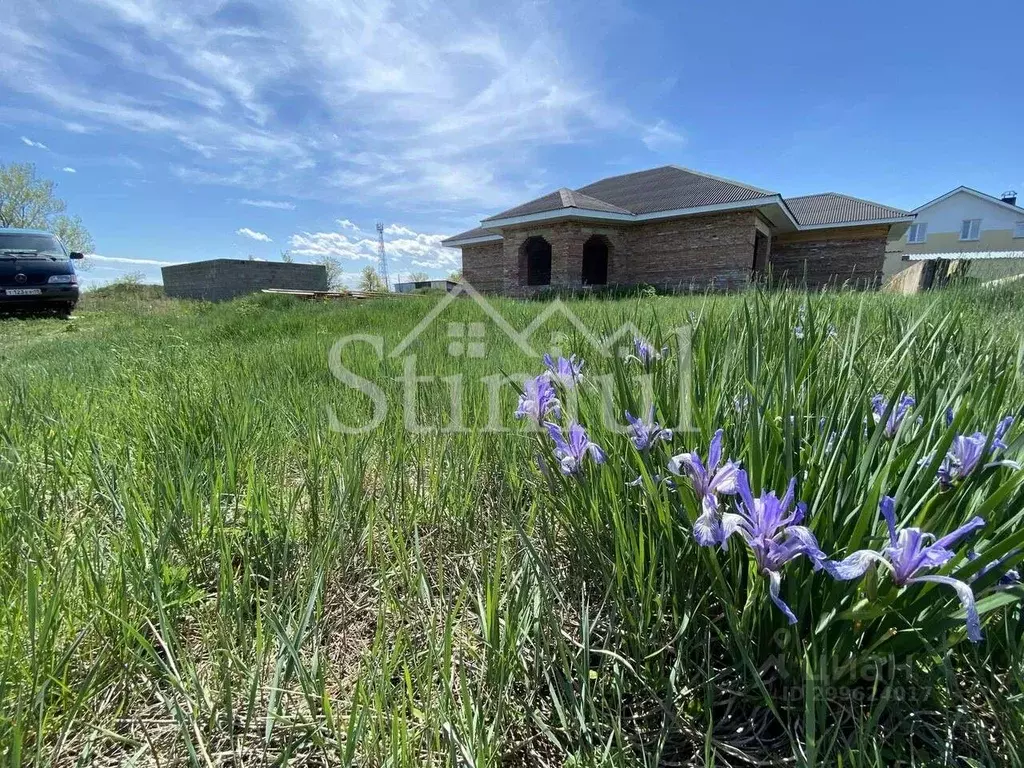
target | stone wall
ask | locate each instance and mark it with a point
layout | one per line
(852, 256)
(223, 279)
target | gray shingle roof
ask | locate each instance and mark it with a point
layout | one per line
(558, 200)
(470, 234)
(668, 188)
(658, 189)
(833, 208)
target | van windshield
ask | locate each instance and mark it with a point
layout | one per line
(21, 246)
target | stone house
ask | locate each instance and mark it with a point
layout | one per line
(678, 229)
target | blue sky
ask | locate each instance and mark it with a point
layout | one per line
(186, 129)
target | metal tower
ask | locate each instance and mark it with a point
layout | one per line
(382, 256)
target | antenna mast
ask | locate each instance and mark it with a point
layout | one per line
(382, 256)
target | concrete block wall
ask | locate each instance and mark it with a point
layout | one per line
(224, 279)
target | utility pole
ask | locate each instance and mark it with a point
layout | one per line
(382, 256)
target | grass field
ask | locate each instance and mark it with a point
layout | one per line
(195, 568)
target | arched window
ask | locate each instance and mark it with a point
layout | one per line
(595, 261)
(536, 258)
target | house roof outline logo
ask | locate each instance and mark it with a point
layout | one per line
(465, 288)
(604, 345)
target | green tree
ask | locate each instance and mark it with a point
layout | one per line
(335, 273)
(416, 277)
(455, 276)
(371, 282)
(30, 202)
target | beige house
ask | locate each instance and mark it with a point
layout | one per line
(678, 229)
(963, 225)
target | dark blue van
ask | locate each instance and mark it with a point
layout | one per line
(37, 272)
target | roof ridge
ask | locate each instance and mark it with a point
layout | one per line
(622, 175)
(850, 197)
(964, 188)
(719, 178)
(567, 197)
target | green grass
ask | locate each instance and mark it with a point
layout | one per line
(196, 569)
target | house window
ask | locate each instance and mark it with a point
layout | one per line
(536, 258)
(1018, 229)
(595, 261)
(918, 232)
(970, 229)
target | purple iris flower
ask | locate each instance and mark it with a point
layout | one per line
(908, 554)
(538, 400)
(773, 533)
(879, 405)
(567, 371)
(798, 331)
(571, 453)
(645, 352)
(966, 452)
(708, 482)
(644, 434)
(1007, 578)
(1000, 432)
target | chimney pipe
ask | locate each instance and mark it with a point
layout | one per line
(1009, 197)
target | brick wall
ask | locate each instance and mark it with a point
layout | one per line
(697, 252)
(566, 239)
(223, 279)
(713, 251)
(482, 266)
(852, 256)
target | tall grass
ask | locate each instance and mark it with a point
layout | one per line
(196, 569)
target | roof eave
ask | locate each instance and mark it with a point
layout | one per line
(980, 195)
(861, 223)
(453, 242)
(591, 215)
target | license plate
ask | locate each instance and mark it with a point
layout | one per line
(23, 291)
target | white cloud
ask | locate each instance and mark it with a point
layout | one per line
(120, 260)
(407, 250)
(68, 169)
(384, 104)
(253, 235)
(29, 143)
(346, 224)
(280, 205)
(662, 137)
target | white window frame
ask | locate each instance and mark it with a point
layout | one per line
(973, 230)
(918, 232)
(1018, 230)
